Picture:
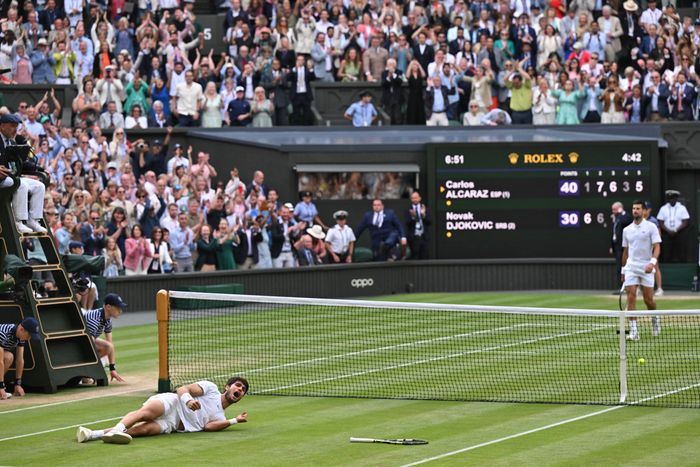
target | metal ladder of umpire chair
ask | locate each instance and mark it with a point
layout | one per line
(65, 352)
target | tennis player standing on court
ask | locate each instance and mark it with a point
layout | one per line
(642, 244)
(195, 407)
(99, 321)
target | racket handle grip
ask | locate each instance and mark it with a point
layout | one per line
(362, 440)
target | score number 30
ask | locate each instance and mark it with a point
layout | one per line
(573, 218)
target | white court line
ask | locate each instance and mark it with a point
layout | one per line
(71, 401)
(58, 429)
(517, 435)
(435, 359)
(547, 427)
(380, 349)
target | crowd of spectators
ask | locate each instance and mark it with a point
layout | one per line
(498, 61)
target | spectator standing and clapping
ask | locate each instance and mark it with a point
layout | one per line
(392, 94)
(207, 246)
(415, 112)
(544, 105)
(113, 259)
(436, 102)
(568, 99)
(239, 109)
(261, 109)
(182, 243)
(138, 253)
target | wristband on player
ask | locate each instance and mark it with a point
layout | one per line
(2, 385)
(653, 261)
(112, 367)
(186, 397)
(18, 382)
(232, 421)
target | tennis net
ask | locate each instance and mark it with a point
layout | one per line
(375, 349)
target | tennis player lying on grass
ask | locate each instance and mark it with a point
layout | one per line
(195, 407)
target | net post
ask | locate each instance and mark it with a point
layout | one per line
(163, 317)
(623, 358)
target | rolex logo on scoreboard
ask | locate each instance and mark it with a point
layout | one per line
(513, 157)
(573, 157)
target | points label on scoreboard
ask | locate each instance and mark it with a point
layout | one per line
(504, 200)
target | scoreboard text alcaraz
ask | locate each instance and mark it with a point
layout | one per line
(548, 199)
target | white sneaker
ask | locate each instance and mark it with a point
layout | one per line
(655, 326)
(36, 226)
(23, 229)
(659, 292)
(633, 336)
(116, 437)
(83, 434)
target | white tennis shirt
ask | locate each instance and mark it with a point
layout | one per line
(211, 409)
(639, 239)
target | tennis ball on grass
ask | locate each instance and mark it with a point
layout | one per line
(642, 361)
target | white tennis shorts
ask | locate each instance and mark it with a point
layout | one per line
(170, 419)
(637, 276)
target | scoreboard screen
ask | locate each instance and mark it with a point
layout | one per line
(535, 199)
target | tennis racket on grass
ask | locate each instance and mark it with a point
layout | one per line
(623, 298)
(404, 441)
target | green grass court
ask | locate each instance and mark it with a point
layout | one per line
(294, 430)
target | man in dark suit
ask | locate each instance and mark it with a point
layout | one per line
(286, 56)
(300, 94)
(621, 219)
(457, 44)
(657, 102)
(274, 80)
(284, 231)
(306, 256)
(436, 102)
(682, 98)
(392, 94)
(385, 231)
(92, 235)
(417, 221)
(422, 52)
(246, 252)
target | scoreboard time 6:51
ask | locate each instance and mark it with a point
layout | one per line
(535, 199)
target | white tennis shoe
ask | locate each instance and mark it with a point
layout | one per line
(116, 437)
(633, 336)
(83, 434)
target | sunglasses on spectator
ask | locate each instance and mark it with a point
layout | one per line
(95, 218)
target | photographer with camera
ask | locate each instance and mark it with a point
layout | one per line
(28, 199)
(141, 158)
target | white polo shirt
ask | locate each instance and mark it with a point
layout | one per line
(188, 97)
(639, 239)
(211, 409)
(673, 216)
(340, 239)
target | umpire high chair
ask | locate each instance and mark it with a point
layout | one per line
(65, 353)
